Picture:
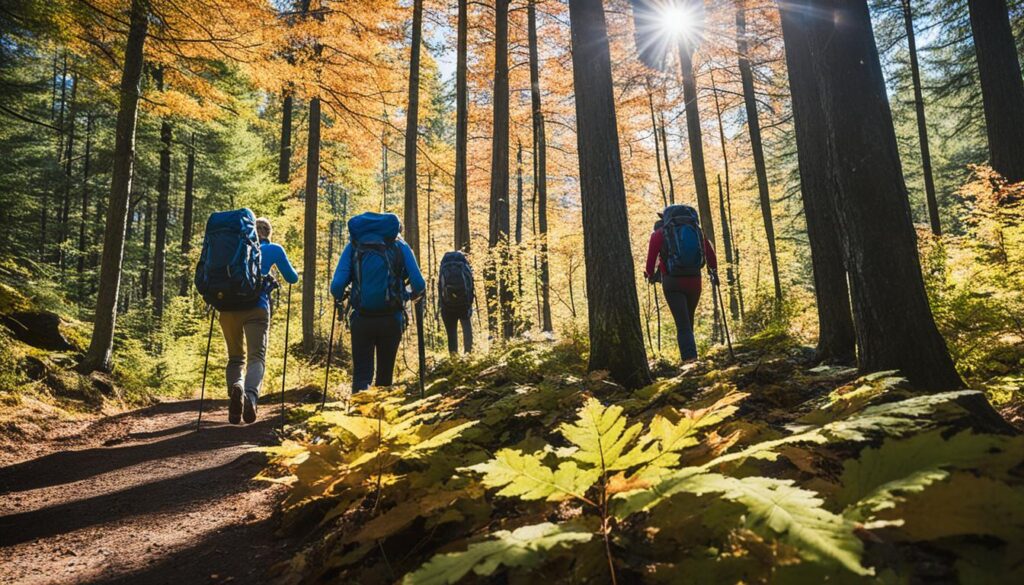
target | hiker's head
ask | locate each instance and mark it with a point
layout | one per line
(263, 229)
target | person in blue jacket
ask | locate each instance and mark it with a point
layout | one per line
(245, 332)
(378, 274)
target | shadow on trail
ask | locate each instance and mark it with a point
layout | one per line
(66, 467)
(238, 554)
(163, 496)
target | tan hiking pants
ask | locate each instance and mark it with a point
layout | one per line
(246, 330)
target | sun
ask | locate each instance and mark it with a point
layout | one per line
(678, 21)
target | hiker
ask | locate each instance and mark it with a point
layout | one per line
(233, 275)
(455, 298)
(378, 265)
(680, 249)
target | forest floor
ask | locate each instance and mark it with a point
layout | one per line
(140, 497)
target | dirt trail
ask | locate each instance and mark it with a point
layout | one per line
(142, 498)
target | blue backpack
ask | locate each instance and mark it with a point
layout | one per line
(683, 251)
(378, 267)
(228, 273)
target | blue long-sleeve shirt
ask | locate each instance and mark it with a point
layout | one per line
(274, 255)
(343, 273)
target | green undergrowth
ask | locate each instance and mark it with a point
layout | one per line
(519, 465)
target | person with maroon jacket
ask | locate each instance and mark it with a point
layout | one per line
(682, 293)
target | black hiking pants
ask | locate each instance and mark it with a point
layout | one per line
(451, 319)
(682, 302)
(376, 336)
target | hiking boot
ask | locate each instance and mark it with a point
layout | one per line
(249, 408)
(235, 404)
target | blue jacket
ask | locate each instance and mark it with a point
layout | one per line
(274, 255)
(343, 273)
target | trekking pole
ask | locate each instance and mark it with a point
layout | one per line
(206, 365)
(419, 339)
(725, 322)
(284, 367)
(330, 350)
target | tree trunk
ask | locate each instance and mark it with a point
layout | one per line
(147, 249)
(836, 334)
(102, 343)
(285, 158)
(616, 339)
(69, 152)
(730, 278)
(309, 275)
(754, 125)
(82, 232)
(1002, 89)
(163, 190)
(657, 149)
(412, 116)
(462, 234)
(499, 292)
(186, 215)
(540, 170)
(693, 129)
(518, 252)
(922, 125)
(893, 321)
(668, 163)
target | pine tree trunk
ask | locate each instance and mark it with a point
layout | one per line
(412, 116)
(82, 232)
(616, 339)
(1002, 89)
(499, 292)
(540, 171)
(98, 357)
(922, 124)
(69, 152)
(893, 320)
(836, 335)
(518, 252)
(147, 249)
(163, 190)
(187, 215)
(462, 234)
(309, 274)
(695, 135)
(285, 157)
(754, 125)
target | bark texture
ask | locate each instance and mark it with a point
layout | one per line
(616, 338)
(462, 235)
(540, 168)
(1002, 89)
(499, 292)
(922, 122)
(101, 345)
(411, 230)
(894, 324)
(754, 126)
(163, 192)
(309, 237)
(836, 338)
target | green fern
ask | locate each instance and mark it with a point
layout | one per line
(872, 482)
(522, 547)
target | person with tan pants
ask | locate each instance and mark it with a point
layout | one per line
(246, 330)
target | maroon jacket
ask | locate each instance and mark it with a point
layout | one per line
(687, 283)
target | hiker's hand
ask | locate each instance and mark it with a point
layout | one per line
(713, 275)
